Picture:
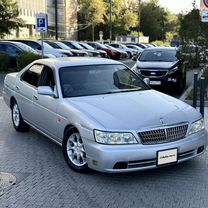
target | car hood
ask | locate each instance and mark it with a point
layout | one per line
(134, 110)
(156, 65)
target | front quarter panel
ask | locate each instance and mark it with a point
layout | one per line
(9, 87)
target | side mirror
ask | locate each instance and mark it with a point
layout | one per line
(45, 90)
(146, 81)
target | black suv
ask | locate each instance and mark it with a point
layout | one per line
(162, 67)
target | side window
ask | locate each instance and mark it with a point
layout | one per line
(2, 48)
(32, 75)
(11, 50)
(47, 78)
(34, 45)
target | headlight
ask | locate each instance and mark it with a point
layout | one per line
(114, 138)
(196, 126)
(173, 70)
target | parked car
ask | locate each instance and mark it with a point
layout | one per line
(103, 115)
(60, 45)
(13, 50)
(36, 45)
(137, 44)
(102, 53)
(162, 67)
(113, 54)
(135, 47)
(124, 54)
(75, 45)
(130, 51)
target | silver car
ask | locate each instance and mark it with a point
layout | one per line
(103, 115)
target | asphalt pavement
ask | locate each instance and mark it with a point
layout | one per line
(44, 179)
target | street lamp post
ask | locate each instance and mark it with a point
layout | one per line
(56, 19)
(110, 20)
(139, 19)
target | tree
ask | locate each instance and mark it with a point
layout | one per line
(153, 20)
(9, 17)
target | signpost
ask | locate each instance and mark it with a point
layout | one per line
(42, 27)
(204, 10)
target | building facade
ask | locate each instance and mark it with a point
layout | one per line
(67, 18)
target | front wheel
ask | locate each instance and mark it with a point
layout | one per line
(17, 119)
(74, 152)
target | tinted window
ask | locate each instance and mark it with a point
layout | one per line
(47, 78)
(33, 45)
(96, 80)
(2, 47)
(32, 75)
(158, 55)
(12, 50)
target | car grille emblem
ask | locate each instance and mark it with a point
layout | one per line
(153, 73)
(161, 120)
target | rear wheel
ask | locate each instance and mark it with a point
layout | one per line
(17, 119)
(74, 151)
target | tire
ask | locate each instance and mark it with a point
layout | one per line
(17, 119)
(129, 55)
(73, 151)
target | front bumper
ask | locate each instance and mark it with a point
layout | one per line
(128, 158)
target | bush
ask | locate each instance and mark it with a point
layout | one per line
(25, 58)
(4, 62)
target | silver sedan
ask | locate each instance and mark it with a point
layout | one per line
(103, 115)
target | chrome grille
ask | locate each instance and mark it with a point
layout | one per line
(151, 73)
(163, 135)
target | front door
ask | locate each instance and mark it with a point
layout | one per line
(44, 106)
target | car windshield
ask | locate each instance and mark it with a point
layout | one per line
(158, 55)
(102, 45)
(86, 46)
(98, 80)
(77, 45)
(63, 46)
(27, 48)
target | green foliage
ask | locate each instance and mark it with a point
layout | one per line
(153, 20)
(26, 58)
(9, 17)
(161, 43)
(4, 62)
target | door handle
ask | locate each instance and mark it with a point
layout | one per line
(36, 97)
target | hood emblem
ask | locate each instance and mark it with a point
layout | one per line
(162, 120)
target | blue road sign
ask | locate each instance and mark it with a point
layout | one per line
(41, 22)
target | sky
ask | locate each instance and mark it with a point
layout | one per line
(177, 6)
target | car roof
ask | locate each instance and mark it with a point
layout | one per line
(8, 41)
(160, 48)
(75, 61)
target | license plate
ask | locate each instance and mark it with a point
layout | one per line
(167, 156)
(155, 82)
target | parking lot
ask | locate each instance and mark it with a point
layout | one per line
(44, 179)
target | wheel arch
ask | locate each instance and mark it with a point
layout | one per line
(70, 128)
(12, 101)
